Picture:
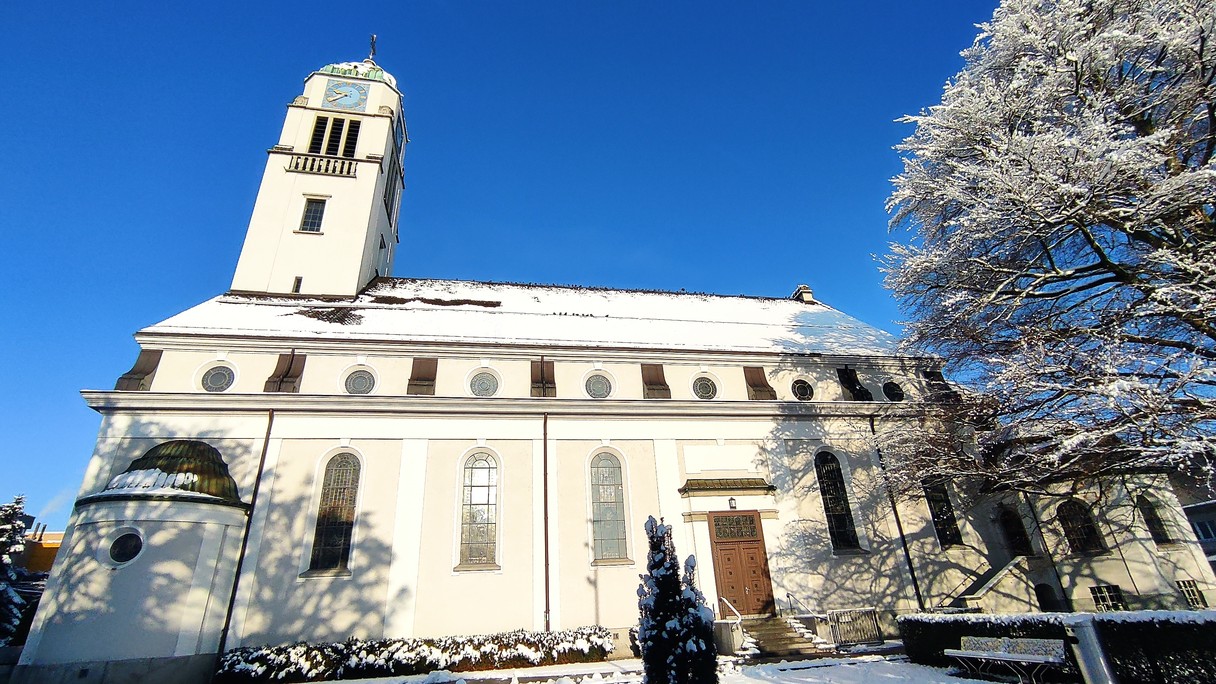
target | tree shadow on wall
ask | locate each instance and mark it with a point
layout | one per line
(90, 601)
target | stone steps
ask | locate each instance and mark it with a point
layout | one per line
(774, 637)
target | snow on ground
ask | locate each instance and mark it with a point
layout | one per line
(859, 670)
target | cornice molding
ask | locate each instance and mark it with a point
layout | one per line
(111, 401)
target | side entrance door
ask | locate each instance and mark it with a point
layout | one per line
(740, 562)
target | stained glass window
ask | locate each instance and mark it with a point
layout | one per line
(484, 385)
(479, 511)
(336, 514)
(360, 382)
(704, 388)
(598, 386)
(608, 508)
(218, 378)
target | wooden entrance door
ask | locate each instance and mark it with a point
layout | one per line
(740, 562)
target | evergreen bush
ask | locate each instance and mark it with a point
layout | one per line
(676, 628)
(12, 542)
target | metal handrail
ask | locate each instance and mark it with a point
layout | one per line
(976, 574)
(805, 610)
(738, 616)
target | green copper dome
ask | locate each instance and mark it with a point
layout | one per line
(181, 466)
(366, 69)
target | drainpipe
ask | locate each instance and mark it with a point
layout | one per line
(240, 559)
(545, 489)
(899, 525)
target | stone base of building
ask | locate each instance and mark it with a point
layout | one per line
(196, 669)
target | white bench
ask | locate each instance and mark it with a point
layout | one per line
(1028, 658)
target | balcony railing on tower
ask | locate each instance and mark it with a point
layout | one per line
(322, 164)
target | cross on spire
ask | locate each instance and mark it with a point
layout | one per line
(372, 54)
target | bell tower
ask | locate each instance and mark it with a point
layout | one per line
(325, 219)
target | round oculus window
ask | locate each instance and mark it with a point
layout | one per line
(803, 390)
(598, 386)
(218, 378)
(126, 548)
(484, 385)
(360, 382)
(704, 388)
(893, 391)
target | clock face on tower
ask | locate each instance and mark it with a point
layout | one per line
(345, 95)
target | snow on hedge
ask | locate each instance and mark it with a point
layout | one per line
(357, 658)
(1191, 617)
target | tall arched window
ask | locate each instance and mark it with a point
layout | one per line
(1079, 528)
(835, 502)
(607, 508)
(336, 514)
(479, 511)
(1152, 519)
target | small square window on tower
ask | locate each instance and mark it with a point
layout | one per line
(314, 211)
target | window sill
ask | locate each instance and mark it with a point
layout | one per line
(479, 567)
(335, 572)
(845, 553)
(611, 562)
(309, 232)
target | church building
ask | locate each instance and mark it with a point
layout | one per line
(327, 451)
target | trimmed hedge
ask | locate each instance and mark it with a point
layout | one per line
(1142, 647)
(1161, 651)
(926, 636)
(365, 658)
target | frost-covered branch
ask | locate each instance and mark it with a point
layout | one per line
(1061, 205)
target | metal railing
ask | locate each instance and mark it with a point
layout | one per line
(738, 617)
(799, 609)
(321, 164)
(855, 626)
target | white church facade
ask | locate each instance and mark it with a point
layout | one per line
(326, 451)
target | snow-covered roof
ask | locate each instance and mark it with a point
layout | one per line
(454, 311)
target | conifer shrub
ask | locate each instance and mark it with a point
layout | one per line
(675, 628)
(12, 542)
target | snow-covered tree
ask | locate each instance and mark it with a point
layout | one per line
(698, 652)
(676, 630)
(659, 604)
(1062, 262)
(12, 536)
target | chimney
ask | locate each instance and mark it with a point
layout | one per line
(803, 294)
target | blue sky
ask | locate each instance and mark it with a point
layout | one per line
(713, 146)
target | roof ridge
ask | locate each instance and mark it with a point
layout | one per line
(389, 280)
